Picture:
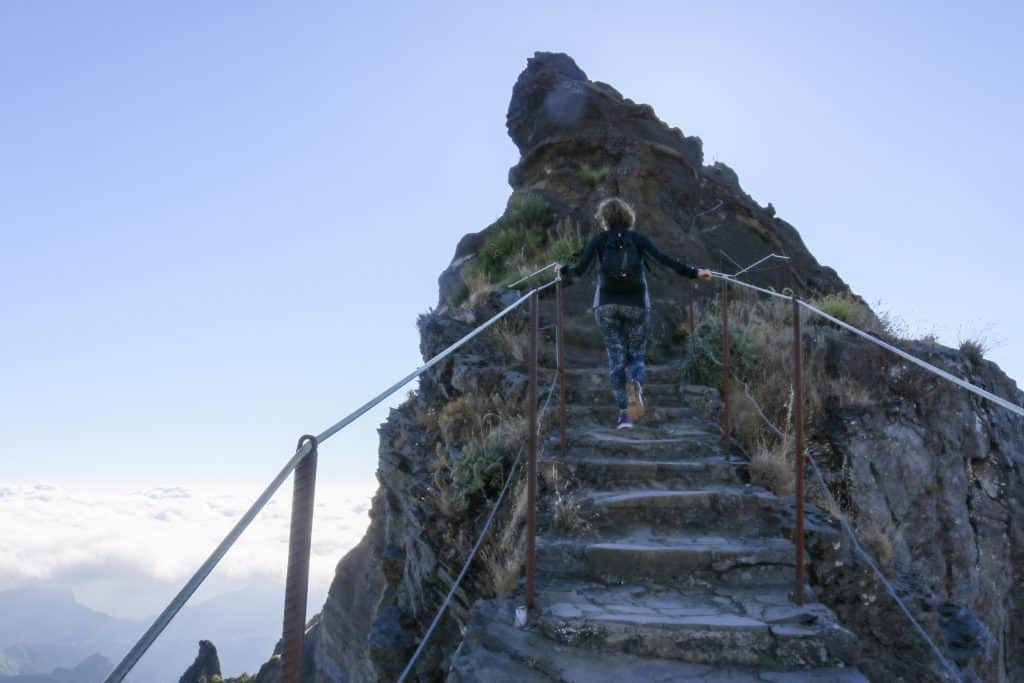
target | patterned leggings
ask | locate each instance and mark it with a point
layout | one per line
(625, 330)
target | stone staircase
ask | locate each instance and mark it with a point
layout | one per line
(656, 560)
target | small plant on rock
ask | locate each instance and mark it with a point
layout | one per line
(975, 348)
(850, 309)
(593, 175)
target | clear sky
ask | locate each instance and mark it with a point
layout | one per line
(219, 221)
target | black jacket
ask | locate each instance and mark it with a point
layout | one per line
(636, 295)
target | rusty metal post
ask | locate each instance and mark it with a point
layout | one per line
(297, 581)
(531, 462)
(798, 413)
(560, 344)
(726, 421)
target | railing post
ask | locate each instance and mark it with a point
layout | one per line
(560, 345)
(726, 421)
(531, 461)
(692, 317)
(798, 413)
(297, 581)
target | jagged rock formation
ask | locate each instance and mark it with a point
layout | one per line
(932, 475)
(205, 667)
(936, 476)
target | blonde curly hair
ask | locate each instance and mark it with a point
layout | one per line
(614, 211)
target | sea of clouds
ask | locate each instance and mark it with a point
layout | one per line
(126, 550)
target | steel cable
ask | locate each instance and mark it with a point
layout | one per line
(480, 539)
(179, 600)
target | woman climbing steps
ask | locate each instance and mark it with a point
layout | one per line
(622, 306)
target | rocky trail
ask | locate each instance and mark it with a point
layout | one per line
(674, 567)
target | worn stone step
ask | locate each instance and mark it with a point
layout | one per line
(736, 508)
(655, 415)
(746, 627)
(607, 472)
(679, 559)
(679, 440)
(579, 377)
(494, 651)
(600, 393)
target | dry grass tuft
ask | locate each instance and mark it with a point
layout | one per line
(504, 557)
(878, 545)
(772, 466)
(511, 338)
(566, 514)
(975, 348)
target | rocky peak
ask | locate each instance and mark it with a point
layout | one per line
(929, 475)
(206, 666)
(554, 102)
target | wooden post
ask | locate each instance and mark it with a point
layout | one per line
(296, 590)
(560, 344)
(726, 421)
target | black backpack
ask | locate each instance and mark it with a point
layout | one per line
(622, 267)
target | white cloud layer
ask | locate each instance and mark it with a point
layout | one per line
(126, 550)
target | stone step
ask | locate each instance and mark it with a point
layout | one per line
(577, 377)
(676, 441)
(601, 471)
(678, 559)
(745, 627)
(494, 651)
(655, 415)
(744, 509)
(600, 393)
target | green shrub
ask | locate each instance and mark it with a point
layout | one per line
(515, 241)
(519, 243)
(508, 247)
(591, 175)
(565, 244)
(849, 309)
(480, 470)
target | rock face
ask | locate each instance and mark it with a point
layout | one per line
(935, 477)
(678, 569)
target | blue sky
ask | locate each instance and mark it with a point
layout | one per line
(219, 221)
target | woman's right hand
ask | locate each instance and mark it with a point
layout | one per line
(704, 274)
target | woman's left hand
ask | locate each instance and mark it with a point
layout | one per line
(704, 274)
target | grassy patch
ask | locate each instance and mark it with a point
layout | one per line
(566, 243)
(520, 242)
(592, 175)
(851, 310)
(482, 441)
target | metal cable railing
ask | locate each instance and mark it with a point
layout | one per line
(479, 541)
(802, 458)
(306, 446)
(987, 395)
(843, 520)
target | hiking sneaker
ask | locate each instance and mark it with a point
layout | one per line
(636, 400)
(624, 421)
